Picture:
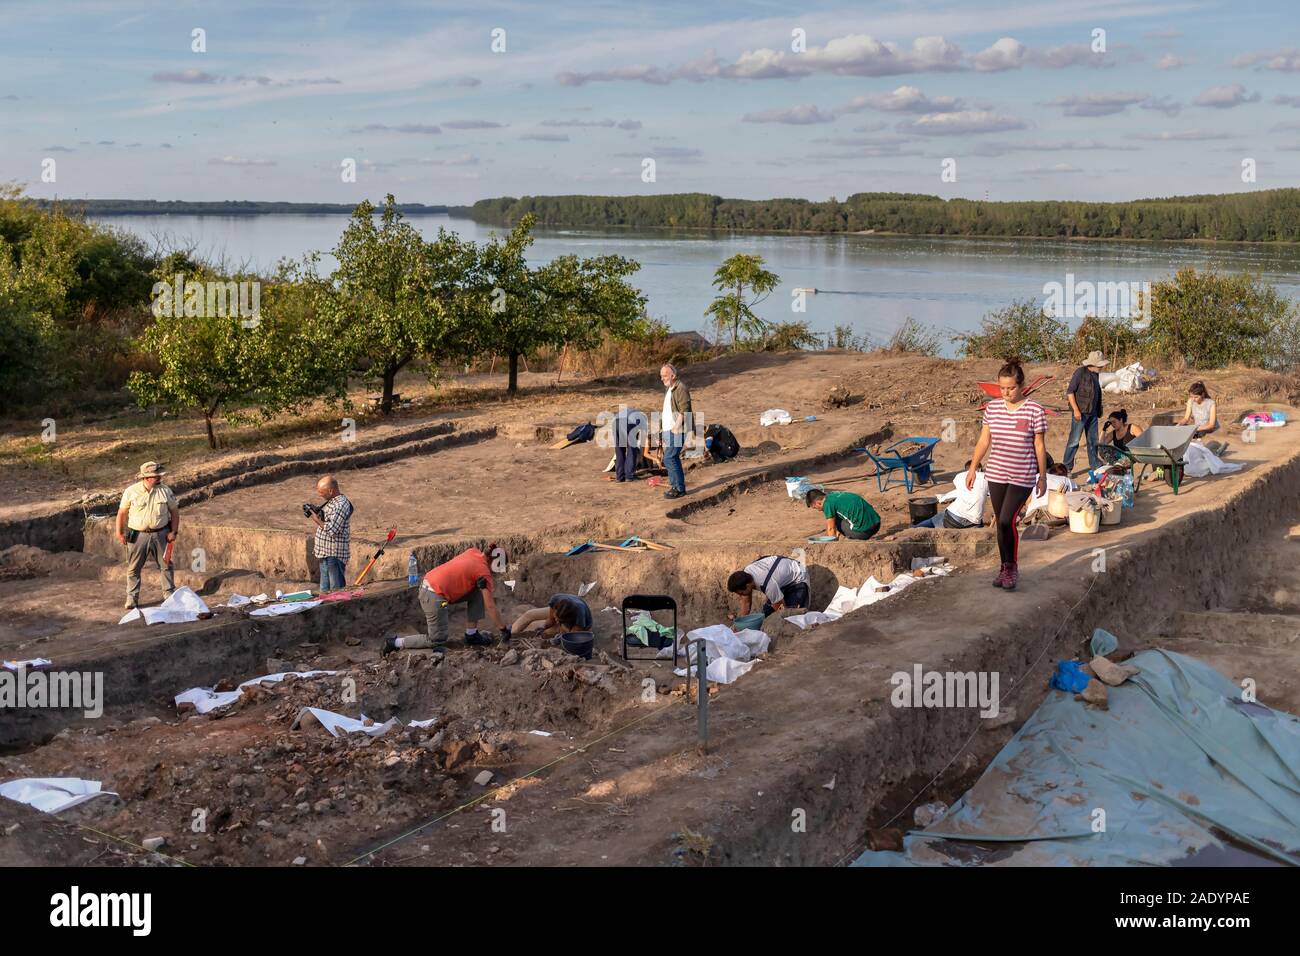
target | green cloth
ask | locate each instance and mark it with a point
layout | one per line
(852, 508)
(643, 626)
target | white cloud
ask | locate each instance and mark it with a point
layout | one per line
(965, 121)
(1097, 104)
(1285, 60)
(239, 161)
(1226, 97)
(794, 116)
(1169, 61)
(904, 99)
(1187, 136)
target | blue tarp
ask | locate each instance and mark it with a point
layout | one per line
(1179, 764)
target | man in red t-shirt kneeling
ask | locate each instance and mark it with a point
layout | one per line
(465, 578)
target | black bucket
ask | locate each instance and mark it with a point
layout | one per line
(578, 643)
(922, 508)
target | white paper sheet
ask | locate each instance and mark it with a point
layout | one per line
(288, 607)
(182, 605)
(52, 794)
(206, 700)
(336, 723)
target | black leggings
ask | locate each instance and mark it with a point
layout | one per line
(1007, 501)
(840, 526)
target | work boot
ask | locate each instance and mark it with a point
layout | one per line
(390, 645)
(477, 639)
(1012, 578)
(1001, 579)
(673, 493)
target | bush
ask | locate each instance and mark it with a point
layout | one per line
(843, 337)
(1020, 329)
(914, 338)
(789, 337)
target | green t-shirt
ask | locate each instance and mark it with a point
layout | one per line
(852, 508)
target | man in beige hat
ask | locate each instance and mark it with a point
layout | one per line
(1084, 395)
(147, 520)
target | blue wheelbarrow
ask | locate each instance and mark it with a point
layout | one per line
(915, 465)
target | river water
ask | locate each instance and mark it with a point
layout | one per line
(870, 283)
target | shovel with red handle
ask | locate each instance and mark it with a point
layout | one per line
(392, 533)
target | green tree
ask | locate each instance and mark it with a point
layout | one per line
(230, 365)
(1211, 319)
(569, 301)
(737, 274)
(1020, 329)
(392, 298)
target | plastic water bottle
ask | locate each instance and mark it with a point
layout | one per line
(412, 571)
(1126, 489)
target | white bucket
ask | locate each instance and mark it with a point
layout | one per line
(1085, 515)
(1112, 510)
(1057, 506)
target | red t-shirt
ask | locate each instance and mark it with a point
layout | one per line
(454, 579)
(1011, 459)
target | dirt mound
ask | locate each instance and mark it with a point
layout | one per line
(25, 561)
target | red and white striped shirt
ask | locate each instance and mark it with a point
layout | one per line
(1011, 457)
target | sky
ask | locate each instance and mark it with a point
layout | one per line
(454, 102)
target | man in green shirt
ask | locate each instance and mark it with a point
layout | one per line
(847, 515)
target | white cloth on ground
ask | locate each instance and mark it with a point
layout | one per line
(847, 600)
(1199, 461)
(52, 794)
(731, 654)
(774, 416)
(182, 605)
(206, 699)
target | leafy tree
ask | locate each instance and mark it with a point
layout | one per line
(1020, 329)
(737, 274)
(392, 298)
(220, 364)
(1210, 319)
(569, 301)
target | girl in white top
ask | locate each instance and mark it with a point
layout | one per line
(967, 508)
(1200, 411)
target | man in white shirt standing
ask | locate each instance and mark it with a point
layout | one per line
(967, 508)
(782, 581)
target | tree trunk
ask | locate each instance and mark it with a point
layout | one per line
(513, 387)
(735, 328)
(212, 438)
(564, 353)
(390, 374)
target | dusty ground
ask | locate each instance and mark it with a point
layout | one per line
(642, 793)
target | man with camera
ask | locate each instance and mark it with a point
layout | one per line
(333, 522)
(147, 521)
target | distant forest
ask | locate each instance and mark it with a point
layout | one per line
(154, 207)
(1263, 216)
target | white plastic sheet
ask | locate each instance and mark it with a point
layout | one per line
(182, 605)
(774, 416)
(288, 607)
(731, 653)
(52, 794)
(847, 600)
(206, 700)
(337, 723)
(31, 665)
(1199, 461)
(1131, 378)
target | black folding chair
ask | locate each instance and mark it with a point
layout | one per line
(649, 602)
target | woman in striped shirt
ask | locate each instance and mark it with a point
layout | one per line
(1012, 437)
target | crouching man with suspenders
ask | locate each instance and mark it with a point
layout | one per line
(785, 584)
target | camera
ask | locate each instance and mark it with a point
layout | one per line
(309, 509)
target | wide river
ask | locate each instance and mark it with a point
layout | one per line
(871, 283)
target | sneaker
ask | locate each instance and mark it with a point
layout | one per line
(478, 639)
(1001, 579)
(390, 645)
(1012, 577)
(673, 493)
(438, 649)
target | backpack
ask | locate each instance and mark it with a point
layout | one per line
(582, 433)
(721, 443)
(1086, 393)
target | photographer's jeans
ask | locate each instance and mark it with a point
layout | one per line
(1078, 426)
(331, 574)
(673, 443)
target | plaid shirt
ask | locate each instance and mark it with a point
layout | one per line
(334, 540)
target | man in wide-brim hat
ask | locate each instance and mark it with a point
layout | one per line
(147, 520)
(1084, 396)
